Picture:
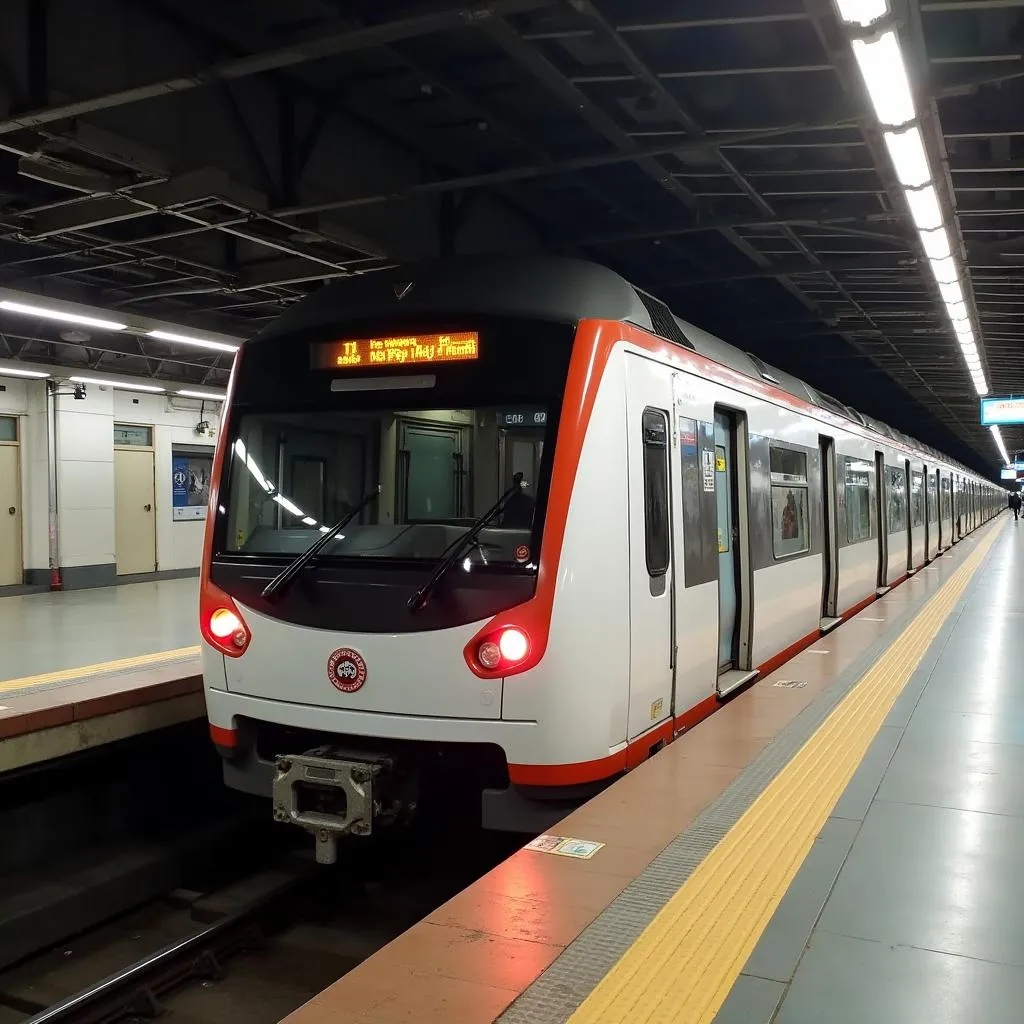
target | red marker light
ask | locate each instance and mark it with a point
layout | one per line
(226, 630)
(224, 622)
(514, 645)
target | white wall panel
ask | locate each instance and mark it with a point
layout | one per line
(86, 536)
(86, 485)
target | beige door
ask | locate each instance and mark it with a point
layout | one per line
(10, 516)
(134, 511)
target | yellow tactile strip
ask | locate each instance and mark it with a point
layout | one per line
(74, 675)
(683, 965)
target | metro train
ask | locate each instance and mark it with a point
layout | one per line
(511, 520)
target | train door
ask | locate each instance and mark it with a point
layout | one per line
(649, 402)
(882, 500)
(932, 517)
(733, 555)
(946, 511)
(830, 548)
(957, 493)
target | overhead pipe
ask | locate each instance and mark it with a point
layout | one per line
(56, 583)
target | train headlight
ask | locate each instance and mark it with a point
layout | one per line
(503, 649)
(489, 654)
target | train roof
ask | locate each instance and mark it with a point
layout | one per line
(552, 288)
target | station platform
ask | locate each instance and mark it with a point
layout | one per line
(841, 842)
(84, 668)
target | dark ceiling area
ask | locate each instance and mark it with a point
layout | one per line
(209, 162)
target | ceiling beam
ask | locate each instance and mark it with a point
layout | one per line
(348, 40)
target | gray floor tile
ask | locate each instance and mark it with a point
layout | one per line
(935, 878)
(751, 1001)
(968, 775)
(850, 981)
(904, 705)
(783, 942)
(979, 695)
(861, 789)
(48, 632)
(934, 728)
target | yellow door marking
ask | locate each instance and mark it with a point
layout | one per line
(684, 963)
(83, 671)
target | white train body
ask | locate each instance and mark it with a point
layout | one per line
(704, 518)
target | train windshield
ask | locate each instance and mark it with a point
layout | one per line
(438, 469)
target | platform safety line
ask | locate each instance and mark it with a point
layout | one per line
(72, 675)
(681, 968)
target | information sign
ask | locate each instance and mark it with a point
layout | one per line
(406, 350)
(1001, 410)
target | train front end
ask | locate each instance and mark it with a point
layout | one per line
(381, 488)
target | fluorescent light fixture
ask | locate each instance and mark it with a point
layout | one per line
(56, 314)
(956, 310)
(210, 396)
(944, 271)
(950, 293)
(862, 12)
(936, 244)
(980, 385)
(117, 384)
(184, 339)
(906, 150)
(998, 438)
(289, 506)
(964, 333)
(924, 207)
(10, 371)
(881, 65)
(310, 521)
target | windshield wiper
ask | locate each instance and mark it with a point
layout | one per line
(288, 574)
(454, 550)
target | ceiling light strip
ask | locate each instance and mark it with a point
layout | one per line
(876, 49)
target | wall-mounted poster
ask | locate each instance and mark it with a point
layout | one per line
(191, 470)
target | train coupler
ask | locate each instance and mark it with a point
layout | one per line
(332, 793)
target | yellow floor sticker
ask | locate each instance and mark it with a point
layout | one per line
(683, 965)
(72, 675)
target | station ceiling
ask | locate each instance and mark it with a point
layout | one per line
(209, 162)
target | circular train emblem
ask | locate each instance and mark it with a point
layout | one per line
(346, 670)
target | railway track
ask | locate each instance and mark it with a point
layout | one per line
(254, 949)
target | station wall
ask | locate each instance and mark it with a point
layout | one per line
(86, 497)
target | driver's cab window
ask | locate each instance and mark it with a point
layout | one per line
(438, 471)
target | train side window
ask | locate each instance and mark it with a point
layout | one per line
(897, 501)
(656, 516)
(917, 498)
(790, 532)
(857, 485)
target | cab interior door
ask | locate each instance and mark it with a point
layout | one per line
(652, 478)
